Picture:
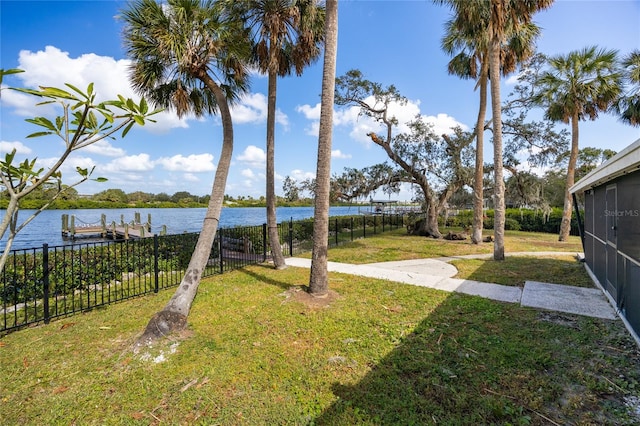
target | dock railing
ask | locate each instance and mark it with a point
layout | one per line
(41, 284)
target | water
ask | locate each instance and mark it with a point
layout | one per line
(47, 227)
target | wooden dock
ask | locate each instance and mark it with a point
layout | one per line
(115, 231)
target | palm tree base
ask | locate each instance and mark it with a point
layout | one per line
(161, 325)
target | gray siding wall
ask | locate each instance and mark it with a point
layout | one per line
(612, 241)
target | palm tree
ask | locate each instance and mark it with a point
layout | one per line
(504, 14)
(578, 86)
(288, 36)
(504, 17)
(629, 105)
(318, 279)
(188, 57)
(472, 61)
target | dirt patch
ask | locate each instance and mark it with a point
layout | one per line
(301, 294)
(558, 318)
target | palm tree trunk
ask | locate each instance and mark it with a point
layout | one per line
(498, 197)
(565, 225)
(319, 278)
(478, 184)
(272, 225)
(173, 317)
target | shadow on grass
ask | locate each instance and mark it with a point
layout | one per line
(474, 361)
(515, 270)
(263, 277)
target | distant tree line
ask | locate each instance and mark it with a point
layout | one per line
(117, 198)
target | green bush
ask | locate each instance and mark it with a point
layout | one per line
(530, 220)
(511, 224)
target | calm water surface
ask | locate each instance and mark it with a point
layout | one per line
(47, 227)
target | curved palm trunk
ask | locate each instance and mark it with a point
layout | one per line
(498, 197)
(173, 317)
(565, 225)
(478, 185)
(319, 279)
(272, 225)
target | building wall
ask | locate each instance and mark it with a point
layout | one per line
(612, 241)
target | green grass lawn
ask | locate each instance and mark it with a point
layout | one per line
(381, 353)
(515, 270)
(397, 245)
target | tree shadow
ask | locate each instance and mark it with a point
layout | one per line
(515, 270)
(471, 361)
(264, 277)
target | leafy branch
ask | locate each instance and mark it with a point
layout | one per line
(82, 123)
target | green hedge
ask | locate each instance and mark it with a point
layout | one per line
(516, 220)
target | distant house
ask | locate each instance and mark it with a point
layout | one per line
(610, 230)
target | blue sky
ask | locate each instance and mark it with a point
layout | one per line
(391, 42)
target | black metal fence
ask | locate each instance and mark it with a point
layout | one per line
(40, 284)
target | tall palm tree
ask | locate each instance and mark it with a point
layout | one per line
(576, 87)
(504, 14)
(188, 57)
(318, 279)
(288, 36)
(471, 60)
(504, 17)
(629, 105)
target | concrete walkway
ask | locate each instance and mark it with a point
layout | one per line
(437, 273)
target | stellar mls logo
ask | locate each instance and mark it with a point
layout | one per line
(622, 213)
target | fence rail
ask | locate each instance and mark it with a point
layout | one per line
(41, 284)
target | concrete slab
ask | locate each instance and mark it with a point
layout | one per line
(502, 293)
(421, 266)
(413, 278)
(569, 299)
(433, 274)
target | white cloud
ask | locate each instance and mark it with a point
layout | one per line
(190, 177)
(68, 168)
(348, 115)
(54, 67)
(248, 173)
(444, 124)
(360, 125)
(253, 156)
(309, 112)
(300, 175)
(336, 153)
(130, 163)
(252, 108)
(24, 105)
(20, 148)
(103, 147)
(194, 163)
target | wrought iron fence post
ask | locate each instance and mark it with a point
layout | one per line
(264, 242)
(45, 282)
(364, 226)
(220, 249)
(291, 236)
(351, 228)
(156, 271)
(336, 231)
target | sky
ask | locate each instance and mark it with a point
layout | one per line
(390, 42)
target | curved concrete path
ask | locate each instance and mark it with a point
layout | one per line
(437, 273)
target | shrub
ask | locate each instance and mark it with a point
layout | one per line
(511, 224)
